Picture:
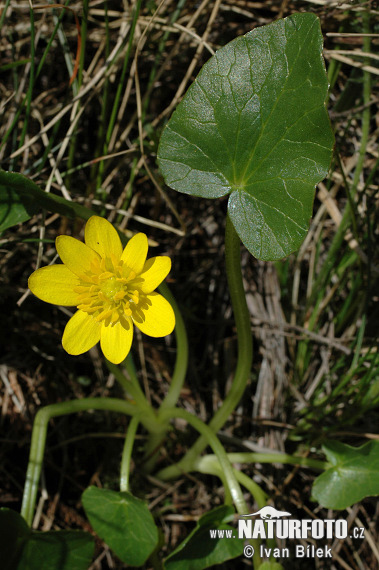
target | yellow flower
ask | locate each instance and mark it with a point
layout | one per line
(111, 287)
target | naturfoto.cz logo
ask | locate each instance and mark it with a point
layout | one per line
(274, 524)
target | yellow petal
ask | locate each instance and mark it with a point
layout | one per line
(154, 271)
(75, 254)
(135, 252)
(101, 236)
(82, 332)
(55, 284)
(116, 341)
(154, 317)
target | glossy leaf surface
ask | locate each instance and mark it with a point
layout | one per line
(24, 549)
(254, 125)
(199, 551)
(12, 209)
(354, 475)
(124, 522)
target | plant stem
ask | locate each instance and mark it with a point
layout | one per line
(209, 464)
(283, 458)
(39, 433)
(156, 438)
(127, 453)
(224, 468)
(217, 447)
(245, 351)
(131, 386)
(181, 363)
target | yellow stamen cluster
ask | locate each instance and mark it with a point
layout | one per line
(109, 291)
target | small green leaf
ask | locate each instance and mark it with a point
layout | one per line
(354, 475)
(13, 210)
(20, 198)
(123, 522)
(254, 125)
(14, 533)
(57, 550)
(199, 550)
(24, 549)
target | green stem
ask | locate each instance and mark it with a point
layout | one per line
(131, 386)
(211, 439)
(245, 350)
(39, 433)
(223, 468)
(209, 464)
(283, 458)
(181, 364)
(127, 453)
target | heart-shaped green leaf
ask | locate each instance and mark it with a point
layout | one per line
(354, 475)
(24, 549)
(124, 522)
(254, 125)
(199, 550)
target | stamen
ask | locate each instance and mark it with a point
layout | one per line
(80, 289)
(115, 261)
(114, 317)
(125, 321)
(88, 309)
(120, 295)
(94, 265)
(85, 300)
(111, 292)
(103, 315)
(134, 296)
(105, 275)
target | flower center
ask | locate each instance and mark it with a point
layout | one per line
(109, 291)
(110, 287)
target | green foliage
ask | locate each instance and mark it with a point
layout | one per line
(199, 551)
(12, 209)
(123, 521)
(24, 549)
(20, 199)
(354, 475)
(254, 125)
